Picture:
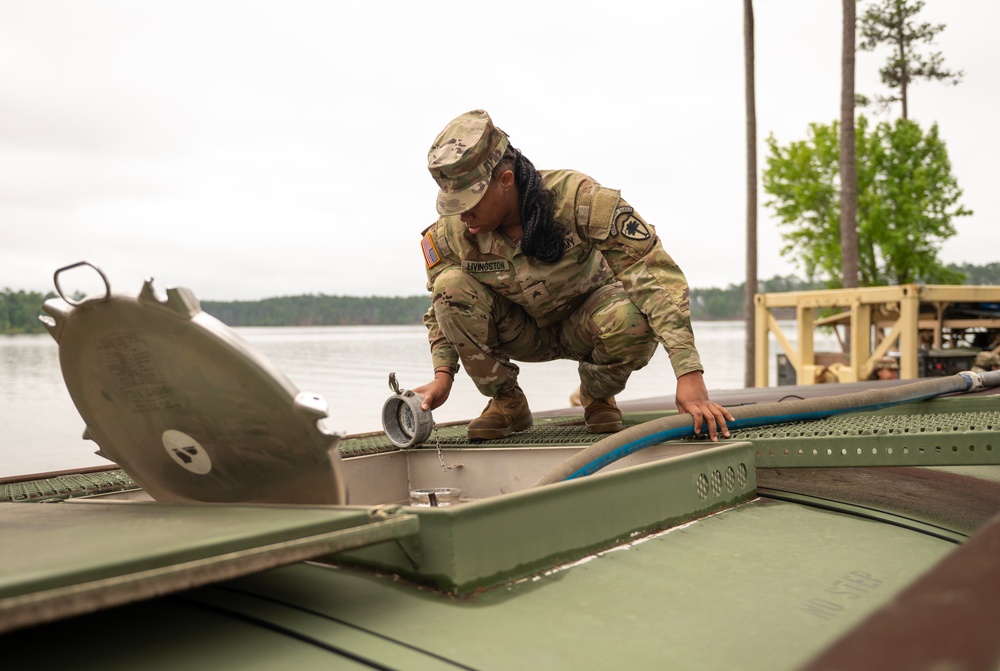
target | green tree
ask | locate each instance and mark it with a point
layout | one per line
(907, 198)
(19, 311)
(893, 22)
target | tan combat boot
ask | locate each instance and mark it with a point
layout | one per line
(601, 414)
(503, 416)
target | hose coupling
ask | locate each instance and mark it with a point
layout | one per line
(975, 379)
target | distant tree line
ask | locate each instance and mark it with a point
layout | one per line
(727, 304)
(715, 304)
(320, 310)
(19, 310)
(987, 274)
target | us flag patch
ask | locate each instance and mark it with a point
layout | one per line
(431, 256)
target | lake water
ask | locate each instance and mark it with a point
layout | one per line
(349, 366)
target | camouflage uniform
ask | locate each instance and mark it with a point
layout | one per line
(985, 362)
(606, 303)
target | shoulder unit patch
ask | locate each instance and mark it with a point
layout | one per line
(629, 224)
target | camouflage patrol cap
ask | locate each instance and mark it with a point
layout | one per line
(986, 360)
(887, 362)
(462, 159)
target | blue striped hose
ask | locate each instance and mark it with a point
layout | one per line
(626, 442)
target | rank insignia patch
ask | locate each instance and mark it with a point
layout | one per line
(431, 255)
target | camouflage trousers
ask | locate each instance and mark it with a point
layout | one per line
(607, 334)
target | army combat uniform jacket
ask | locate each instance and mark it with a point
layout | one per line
(606, 241)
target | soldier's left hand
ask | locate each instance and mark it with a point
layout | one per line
(692, 398)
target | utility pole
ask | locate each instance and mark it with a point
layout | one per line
(848, 159)
(750, 288)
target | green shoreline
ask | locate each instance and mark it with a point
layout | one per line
(19, 310)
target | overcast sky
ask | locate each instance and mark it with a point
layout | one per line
(254, 149)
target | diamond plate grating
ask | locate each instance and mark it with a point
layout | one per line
(66, 486)
(942, 432)
(880, 439)
(878, 425)
(556, 431)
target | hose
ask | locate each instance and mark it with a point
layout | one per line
(630, 440)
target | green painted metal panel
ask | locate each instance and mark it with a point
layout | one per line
(764, 585)
(317, 629)
(168, 634)
(64, 559)
(467, 547)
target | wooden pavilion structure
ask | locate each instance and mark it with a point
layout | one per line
(871, 322)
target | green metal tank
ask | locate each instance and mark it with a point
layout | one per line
(233, 533)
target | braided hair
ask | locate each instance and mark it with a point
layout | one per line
(541, 235)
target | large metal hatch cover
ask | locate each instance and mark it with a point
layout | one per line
(72, 558)
(185, 406)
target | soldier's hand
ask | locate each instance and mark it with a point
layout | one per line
(436, 391)
(692, 398)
